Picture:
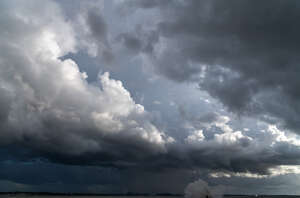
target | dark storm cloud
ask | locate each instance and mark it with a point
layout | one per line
(146, 4)
(140, 41)
(245, 53)
(131, 42)
(97, 25)
(49, 113)
(5, 106)
(98, 33)
(35, 173)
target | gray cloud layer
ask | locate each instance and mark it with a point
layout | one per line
(240, 53)
(245, 53)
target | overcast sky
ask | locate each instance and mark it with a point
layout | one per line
(116, 96)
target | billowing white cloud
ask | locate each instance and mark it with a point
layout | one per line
(231, 137)
(48, 102)
(281, 136)
(227, 137)
(196, 136)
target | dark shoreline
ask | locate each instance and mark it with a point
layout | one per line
(89, 194)
(135, 194)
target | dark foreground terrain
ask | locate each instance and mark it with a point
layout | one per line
(75, 195)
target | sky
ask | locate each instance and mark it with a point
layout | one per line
(117, 96)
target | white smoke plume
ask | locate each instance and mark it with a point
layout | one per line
(200, 189)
